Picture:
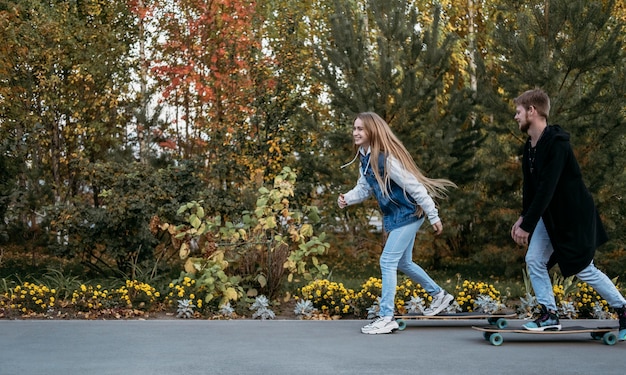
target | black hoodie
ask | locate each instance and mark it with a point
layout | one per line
(556, 192)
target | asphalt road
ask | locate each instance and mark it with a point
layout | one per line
(173, 347)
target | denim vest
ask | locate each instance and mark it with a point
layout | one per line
(398, 208)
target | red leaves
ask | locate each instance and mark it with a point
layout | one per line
(168, 144)
(207, 50)
(141, 8)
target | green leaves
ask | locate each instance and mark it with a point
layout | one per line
(274, 240)
(194, 221)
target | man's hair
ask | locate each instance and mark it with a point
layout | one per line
(535, 98)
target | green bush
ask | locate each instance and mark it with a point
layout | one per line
(271, 245)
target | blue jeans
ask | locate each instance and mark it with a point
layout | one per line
(398, 255)
(539, 252)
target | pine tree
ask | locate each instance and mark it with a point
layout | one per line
(573, 49)
(392, 59)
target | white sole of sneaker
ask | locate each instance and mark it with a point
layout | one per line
(541, 329)
(380, 331)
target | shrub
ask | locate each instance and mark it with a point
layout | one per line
(209, 290)
(367, 297)
(588, 302)
(407, 291)
(469, 291)
(29, 298)
(185, 289)
(132, 295)
(267, 246)
(574, 300)
(138, 295)
(328, 297)
(366, 300)
(88, 298)
(130, 194)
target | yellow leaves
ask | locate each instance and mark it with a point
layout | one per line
(243, 234)
(274, 146)
(307, 230)
(290, 264)
(261, 280)
(200, 212)
(190, 266)
(270, 223)
(184, 250)
(294, 235)
(218, 258)
(230, 294)
(194, 221)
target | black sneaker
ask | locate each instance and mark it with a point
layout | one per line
(621, 315)
(547, 321)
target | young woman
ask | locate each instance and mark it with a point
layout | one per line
(405, 197)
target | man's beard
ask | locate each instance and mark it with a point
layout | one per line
(525, 125)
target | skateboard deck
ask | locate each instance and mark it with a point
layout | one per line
(498, 320)
(494, 334)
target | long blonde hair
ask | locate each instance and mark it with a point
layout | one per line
(383, 140)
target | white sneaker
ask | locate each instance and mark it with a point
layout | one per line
(380, 325)
(440, 302)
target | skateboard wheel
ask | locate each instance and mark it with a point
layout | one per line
(401, 324)
(487, 335)
(596, 336)
(492, 321)
(502, 323)
(609, 338)
(496, 339)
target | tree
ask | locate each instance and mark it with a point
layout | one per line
(146, 112)
(574, 51)
(259, 107)
(390, 58)
(289, 115)
(206, 51)
(64, 73)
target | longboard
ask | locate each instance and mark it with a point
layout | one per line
(494, 335)
(498, 320)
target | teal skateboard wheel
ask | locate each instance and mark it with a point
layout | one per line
(401, 324)
(609, 338)
(496, 339)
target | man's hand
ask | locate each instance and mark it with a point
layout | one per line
(519, 235)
